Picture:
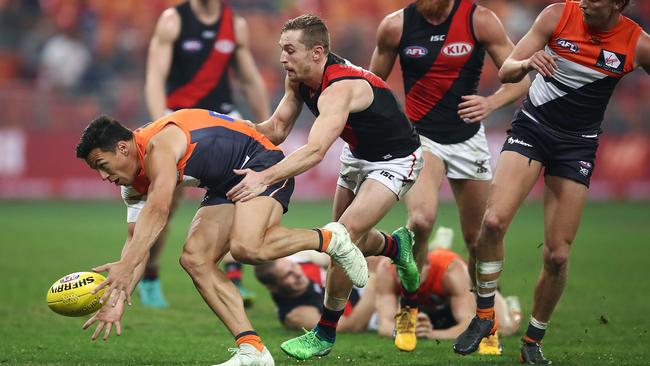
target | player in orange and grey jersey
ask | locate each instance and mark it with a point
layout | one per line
(580, 50)
(205, 149)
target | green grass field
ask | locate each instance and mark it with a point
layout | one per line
(601, 320)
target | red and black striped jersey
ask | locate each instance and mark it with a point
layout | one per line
(440, 64)
(198, 76)
(590, 64)
(380, 132)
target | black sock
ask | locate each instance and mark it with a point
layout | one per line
(326, 327)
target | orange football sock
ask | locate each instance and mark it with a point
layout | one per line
(527, 339)
(253, 340)
(325, 237)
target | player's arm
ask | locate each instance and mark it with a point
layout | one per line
(303, 316)
(334, 105)
(281, 122)
(529, 54)
(388, 36)
(386, 301)
(164, 150)
(491, 34)
(461, 301)
(248, 74)
(642, 58)
(159, 61)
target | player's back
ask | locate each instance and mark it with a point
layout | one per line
(590, 64)
(216, 144)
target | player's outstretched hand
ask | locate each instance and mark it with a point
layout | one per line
(249, 187)
(475, 108)
(423, 326)
(118, 280)
(542, 62)
(106, 318)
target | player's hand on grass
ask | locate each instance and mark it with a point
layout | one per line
(118, 280)
(250, 187)
(106, 318)
(423, 326)
(475, 108)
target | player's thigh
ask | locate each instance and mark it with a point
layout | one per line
(513, 179)
(252, 219)
(564, 201)
(423, 195)
(209, 232)
(471, 198)
(343, 197)
(369, 206)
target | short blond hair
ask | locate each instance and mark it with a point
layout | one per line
(314, 31)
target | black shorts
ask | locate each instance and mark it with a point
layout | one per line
(281, 191)
(562, 154)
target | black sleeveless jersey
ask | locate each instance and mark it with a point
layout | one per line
(440, 63)
(380, 132)
(198, 76)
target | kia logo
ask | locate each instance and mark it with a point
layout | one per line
(457, 49)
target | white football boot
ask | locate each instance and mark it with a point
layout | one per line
(343, 251)
(248, 355)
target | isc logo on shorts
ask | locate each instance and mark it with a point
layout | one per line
(387, 175)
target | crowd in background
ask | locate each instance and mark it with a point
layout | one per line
(62, 62)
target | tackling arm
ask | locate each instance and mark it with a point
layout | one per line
(643, 52)
(277, 127)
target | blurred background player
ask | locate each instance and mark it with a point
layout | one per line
(441, 46)
(297, 287)
(445, 299)
(380, 161)
(191, 53)
(580, 51)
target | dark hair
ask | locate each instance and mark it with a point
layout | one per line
(103, 133)
(625, 4)
(314, 31)
(264, 273)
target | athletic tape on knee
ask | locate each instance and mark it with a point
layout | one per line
(335, 303)
(488, 268)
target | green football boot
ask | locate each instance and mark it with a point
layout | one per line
(307, 346)
(407, 269)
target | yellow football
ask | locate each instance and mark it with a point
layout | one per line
(72, 294)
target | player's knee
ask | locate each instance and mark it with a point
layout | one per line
(421, 222)
(493, 225)
(192, 262)
(557, 260)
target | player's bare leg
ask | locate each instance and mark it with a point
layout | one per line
(359, 214)
(257, 237)
(471, 198)
(514, 177)
(422, 204)
(563, 205)
(205, 246)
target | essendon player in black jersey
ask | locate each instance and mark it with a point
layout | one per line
(379, 163)
(191, 51)
(441, 45)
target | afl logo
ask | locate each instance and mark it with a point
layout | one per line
(224, 46)
(457, 49)
(415, 51)
(570, 46)
(192, 45)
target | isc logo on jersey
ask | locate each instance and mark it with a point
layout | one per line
(457, 49)
(415, 51)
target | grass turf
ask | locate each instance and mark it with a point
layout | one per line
(601, 319)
